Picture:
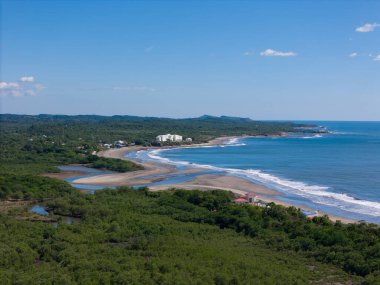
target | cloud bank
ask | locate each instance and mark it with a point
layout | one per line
(25, 86)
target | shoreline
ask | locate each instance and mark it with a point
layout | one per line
(234, 184)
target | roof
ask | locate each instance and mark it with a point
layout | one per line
(240, 200)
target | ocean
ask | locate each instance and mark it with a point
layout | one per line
(337, 173)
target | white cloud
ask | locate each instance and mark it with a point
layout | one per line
(354, 54)
(248, 53)
(4, 85)
(367, 28)
(27, 79)
(377, 58)
(271, 52)
(24, 87)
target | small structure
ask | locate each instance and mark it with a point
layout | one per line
(169, 137)
(107, 145)
(189, 140)
(248, 198)
(119, 143)
(260, 204)
(241, 201)
(252, 198)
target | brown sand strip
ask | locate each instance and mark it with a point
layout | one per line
(202, 182)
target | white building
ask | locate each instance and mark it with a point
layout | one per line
(107, 145)
(169, 137)
(189, 140)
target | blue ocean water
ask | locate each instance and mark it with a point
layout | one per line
(337, 173)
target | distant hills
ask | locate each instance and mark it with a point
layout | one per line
(223, 118)
(93, 118)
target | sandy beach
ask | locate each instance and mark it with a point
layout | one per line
(150, 168)
(156, 171)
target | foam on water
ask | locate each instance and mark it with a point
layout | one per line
(315, 193)
(232, 142)
(312, 137)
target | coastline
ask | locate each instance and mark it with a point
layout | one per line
(151, 170)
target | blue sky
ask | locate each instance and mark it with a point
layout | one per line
(261, 59)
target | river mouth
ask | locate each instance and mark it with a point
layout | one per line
(142, 181)
(83, 172)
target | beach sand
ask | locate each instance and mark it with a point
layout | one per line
(150, 168)
(230, 182)
(234, 184)
(135, 177)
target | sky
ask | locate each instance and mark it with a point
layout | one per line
(269, 60)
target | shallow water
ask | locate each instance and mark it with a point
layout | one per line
(167, 179)
(40, 210)
(91, 172)
(37, 209)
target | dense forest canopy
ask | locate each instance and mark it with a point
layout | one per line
(101, 128)
(129, 236)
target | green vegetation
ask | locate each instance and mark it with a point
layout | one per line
(111, 164)
(139, 237)
(140, 130)
(355, 248)
(32, 187)
(126, 236)
(35, 144)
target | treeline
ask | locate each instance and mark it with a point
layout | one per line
(140, 130)
(35, 144)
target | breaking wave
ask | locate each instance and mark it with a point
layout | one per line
(316, 193)
(312, 137)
